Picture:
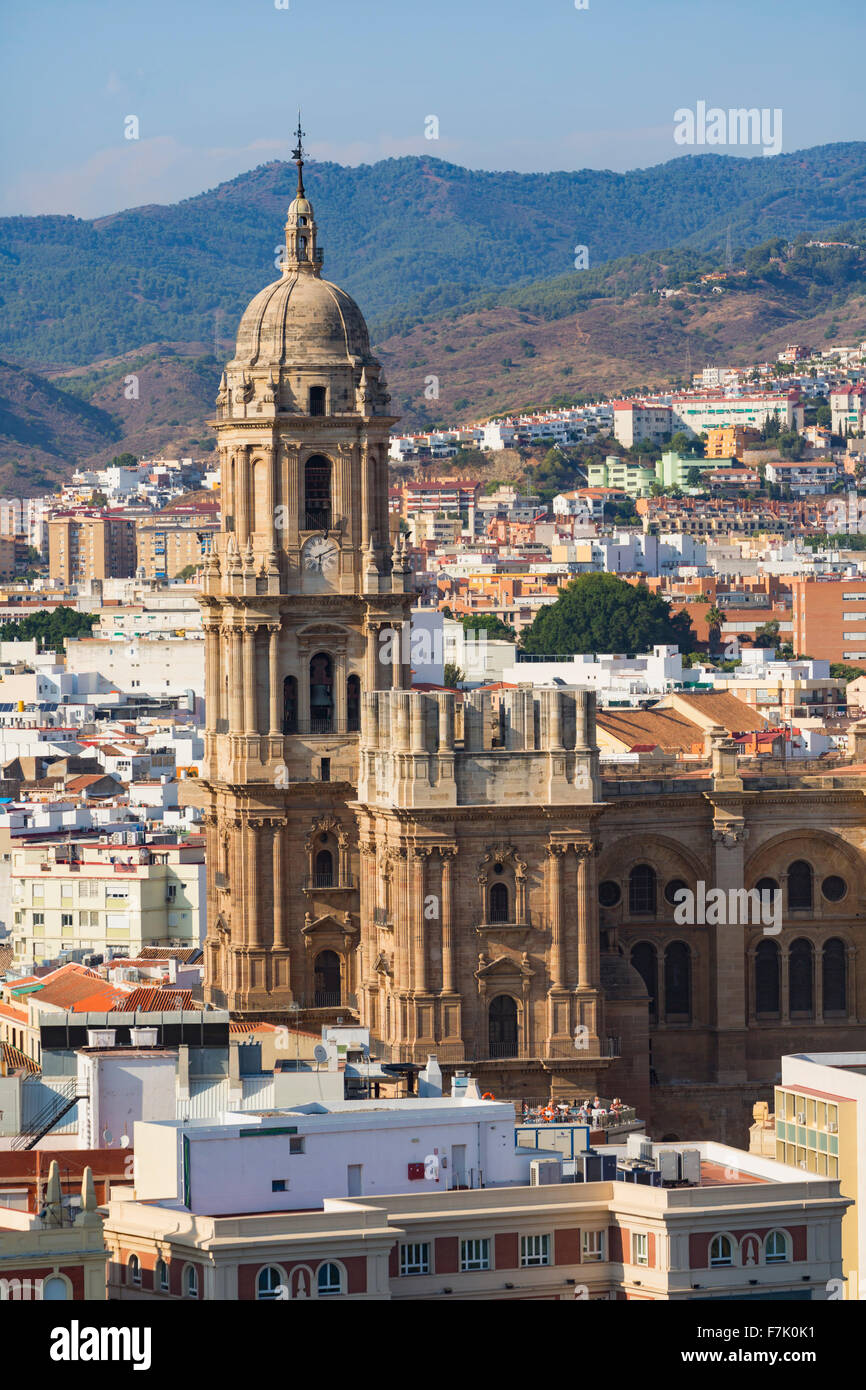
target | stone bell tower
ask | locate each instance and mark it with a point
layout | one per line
(298, 596)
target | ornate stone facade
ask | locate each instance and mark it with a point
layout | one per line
(458, 875)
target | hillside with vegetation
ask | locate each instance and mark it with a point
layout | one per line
(131, 317)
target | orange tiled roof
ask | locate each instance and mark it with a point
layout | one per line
(153, 999)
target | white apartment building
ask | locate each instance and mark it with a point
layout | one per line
(612, 676)
(804, 479)
(156, 666)
(107, 898)
(698, 413)
(637, 421)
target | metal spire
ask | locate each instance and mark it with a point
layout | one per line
(298, 157)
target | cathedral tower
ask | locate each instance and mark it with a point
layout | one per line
(299, 595)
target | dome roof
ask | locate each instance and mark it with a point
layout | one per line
(301, 319)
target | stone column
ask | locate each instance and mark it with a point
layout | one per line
(419, 945)
(290, 497)
(236, 687)
(252, 913)
(271, 466)
(249, 666)
(340, 703)
(729, 989)
(275, 717)
(557, 951)
(446, 909)
(365, 498)
(280, 888)
(211, 657)
(585, 919)
(242, 489)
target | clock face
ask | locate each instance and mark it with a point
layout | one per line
(321, 555)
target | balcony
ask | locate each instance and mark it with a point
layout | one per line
(331, 882)
(381, 917)
(322, 724)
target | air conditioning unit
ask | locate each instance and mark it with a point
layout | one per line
(669, 1165)
(802, 1163)
(801, 1117)
(544, 1170)
(639, 1146)
(691, 1166)
(832, 1127)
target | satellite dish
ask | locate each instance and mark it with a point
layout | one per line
(124, 1141)
(320, 1053)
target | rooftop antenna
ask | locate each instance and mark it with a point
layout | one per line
(298, 156)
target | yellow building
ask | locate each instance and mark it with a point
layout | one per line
(820, 1126)
(730, 441)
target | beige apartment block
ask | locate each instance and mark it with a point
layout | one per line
(108, 899)
(84, 546)
(166, 546)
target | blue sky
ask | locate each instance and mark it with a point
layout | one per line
(215, 85)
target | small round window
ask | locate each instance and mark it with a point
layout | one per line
(672, 888)
(609, 893)
(834, 888)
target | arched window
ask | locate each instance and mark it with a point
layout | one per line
(160, 1276)
(835, 983)
(498, 903)
(302, 248)
(134, 1271)
(767, 885)
(776, 1248)
(642, 889)
(502, 1024)
(800, 959)
(721, 1250)
(190, 1281)
(55, 1290)
(269, 1283)
(678, 991)
(321, 693)
(324, 872)
(317, 493)
(328, 1280)
(644, 958)
(290, 705)
(353, 703)
(328, 985)
(799, 886)
(767, 978)
(317, 400)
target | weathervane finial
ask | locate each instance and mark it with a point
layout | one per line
(298, 156)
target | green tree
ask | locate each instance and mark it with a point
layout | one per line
(601, 613)
(687, 445)
(452, 676)
(715, 617)
(767, 635)
(489, 623)
(50, 627)
(187, 572)
(695, 478)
